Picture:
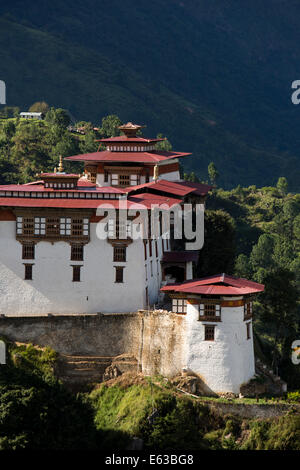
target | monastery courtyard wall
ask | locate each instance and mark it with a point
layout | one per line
(155, 338)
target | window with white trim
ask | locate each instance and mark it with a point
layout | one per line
(209, 311)
(179, 305)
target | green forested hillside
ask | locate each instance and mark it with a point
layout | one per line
(216, 79)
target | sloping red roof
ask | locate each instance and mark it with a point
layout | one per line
(82, 186)
(179, 188)
(140, 201)
(220, 284)
(60, 175)
(152, 157)
(180, 256)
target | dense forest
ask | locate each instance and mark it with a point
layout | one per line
(213, 76)
(250, 232)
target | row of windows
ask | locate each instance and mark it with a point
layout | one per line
(76, 270)
(69, 195)
(60, 185)
(207, 311)
(53, 226)
(131, 148)
(77, 252)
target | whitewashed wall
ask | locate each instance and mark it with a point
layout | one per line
(52, 289)
(227, 362)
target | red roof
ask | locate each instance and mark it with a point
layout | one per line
(179, 188)
(152, 157)
(60, 175)
(82, 186)
(140, 201)
(180, 256)
(220, 284)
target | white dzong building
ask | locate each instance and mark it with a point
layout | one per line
(52, 257)
(64, 250)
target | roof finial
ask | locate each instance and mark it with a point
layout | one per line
(155, 173)
(60, 166)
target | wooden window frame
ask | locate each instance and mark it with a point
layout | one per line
(77, 251)
(179, 306)
(119, 274)
(248, 329)
(76, 272)
(248, 310)
(208, 311)
(119, 254)
(209, 332)
(124, 180)
(27, 250)
(28, 275)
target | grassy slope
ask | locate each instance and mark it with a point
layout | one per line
(183, 422)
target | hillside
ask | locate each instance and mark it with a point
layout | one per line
(51, 418)
(215, 79)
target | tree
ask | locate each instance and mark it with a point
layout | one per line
(39, 107)
(218, 252)
(58, 117)
(165, 145)
(242, 267)
(282, 185)
(213, 173)
(262, 253)
(191, 177)
(279, 307)
(110, 126)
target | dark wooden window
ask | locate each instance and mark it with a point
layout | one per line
(28, 226)
(76, 273)
(247, 310)
(209, 333)
(209, 310)
(248, 326)
(28, 272)
(28, 251)
(77, 227)
(120, 253)
(124, 180)
(77, 252)
(119, 273)
(145, 249)
(52, 226)
(106, 177)
(93, 176)
(156, 249)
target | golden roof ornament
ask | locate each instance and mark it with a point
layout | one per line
(60, 166)
(130, 129)
(155, 173)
